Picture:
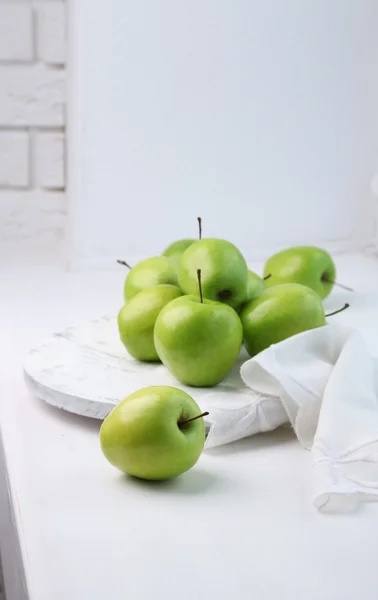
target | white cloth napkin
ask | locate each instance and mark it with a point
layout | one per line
(324, 383)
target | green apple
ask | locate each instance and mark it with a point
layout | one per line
(224, 271)
(149, 273)
(255, 285)
(155, 433)
(278, 313)
(198, 341)
(175, 250)
(136, 320)
(307, 265)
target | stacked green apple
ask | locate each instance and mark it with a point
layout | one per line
(191, 309)
(196, 326)
(181, 309)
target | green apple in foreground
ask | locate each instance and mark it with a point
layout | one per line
(279, 313)
(136, 320)
(255, 285)
(177, 249)
(198, 342)
(149, 273)
(223, 268)
(307, 265)
(151, 434)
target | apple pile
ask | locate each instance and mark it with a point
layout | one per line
(191, 309)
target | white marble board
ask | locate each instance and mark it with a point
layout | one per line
(86, 370)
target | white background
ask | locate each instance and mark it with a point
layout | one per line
(260, 116)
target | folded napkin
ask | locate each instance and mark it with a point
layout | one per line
(324, 383)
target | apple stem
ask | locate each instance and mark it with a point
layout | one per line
(267, 277)
(199, 228)
(346, 305)
(200, 284)
(340, 285)
(204, 414)
(124, 263)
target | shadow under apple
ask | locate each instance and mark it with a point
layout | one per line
(193, 482)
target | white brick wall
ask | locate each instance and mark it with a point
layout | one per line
(32, 122)
(51, 32)
(31, 96)
(14, 163)
(48, 154)
(16, 32)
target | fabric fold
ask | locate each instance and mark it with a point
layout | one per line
(325, 383)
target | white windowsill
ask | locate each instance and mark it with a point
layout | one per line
(239, 525)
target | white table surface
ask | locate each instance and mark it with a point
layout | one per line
(240, 525)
